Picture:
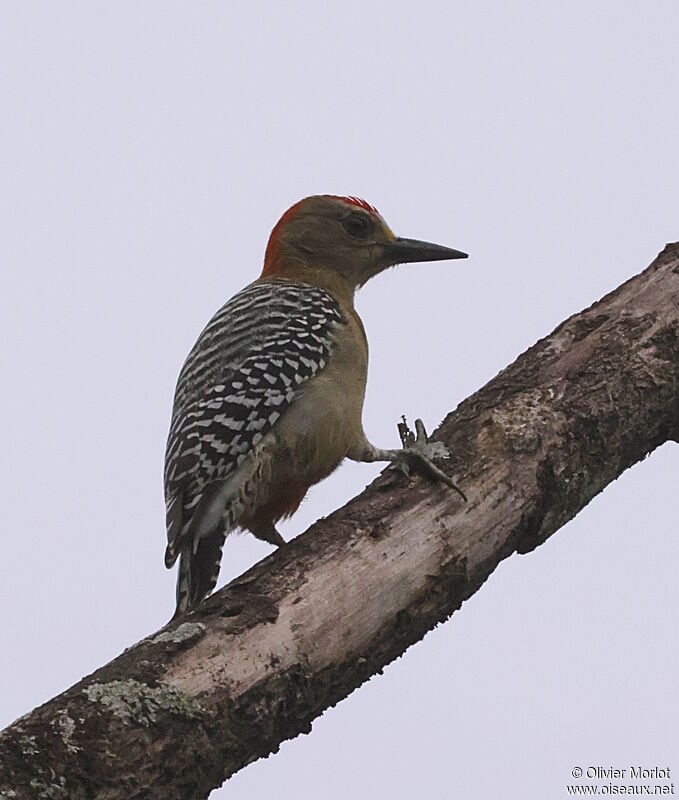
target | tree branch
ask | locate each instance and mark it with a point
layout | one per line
(185, 708)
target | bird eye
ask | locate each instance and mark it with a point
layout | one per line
(357, 225)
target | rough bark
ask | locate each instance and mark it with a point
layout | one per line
(187, 707)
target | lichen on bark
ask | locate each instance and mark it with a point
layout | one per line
(132, 701)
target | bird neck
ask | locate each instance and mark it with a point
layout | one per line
(317, 275)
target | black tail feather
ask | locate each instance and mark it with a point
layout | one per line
(198, 571)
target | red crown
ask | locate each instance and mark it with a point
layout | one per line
(358, 201)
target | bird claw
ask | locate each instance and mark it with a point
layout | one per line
(419, 453)
(419, 441)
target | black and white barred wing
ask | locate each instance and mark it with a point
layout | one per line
(243, 372)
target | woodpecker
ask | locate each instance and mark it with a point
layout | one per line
(270, 399)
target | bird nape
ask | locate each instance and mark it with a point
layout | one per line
(270, 398)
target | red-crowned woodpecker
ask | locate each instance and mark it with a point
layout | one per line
(270, 398)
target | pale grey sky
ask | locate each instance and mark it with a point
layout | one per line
(146, 151)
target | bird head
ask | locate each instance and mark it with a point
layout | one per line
(341, 237)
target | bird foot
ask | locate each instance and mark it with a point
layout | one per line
(419, 453)
(268, 534)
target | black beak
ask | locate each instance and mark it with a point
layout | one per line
(403, 251)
